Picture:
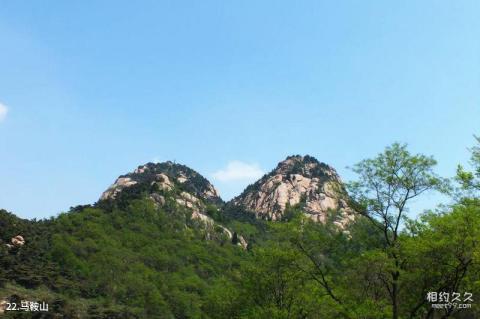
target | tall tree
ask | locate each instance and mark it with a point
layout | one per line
(385, 187)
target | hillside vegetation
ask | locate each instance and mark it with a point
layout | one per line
(168, 247)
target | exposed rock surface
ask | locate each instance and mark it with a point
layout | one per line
(211, 226)
(117, 187)
(298, 180)
(3, 305)
(18, 240)
(165, 176)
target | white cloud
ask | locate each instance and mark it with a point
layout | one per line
(3, 111)
(238, 171)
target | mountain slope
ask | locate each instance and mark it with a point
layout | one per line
(149, 248)
(173, 187)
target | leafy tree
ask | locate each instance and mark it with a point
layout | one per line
(277, 286)
(470, 180)
(442, 255)
(386, 185)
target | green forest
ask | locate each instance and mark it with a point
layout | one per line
(128, 258)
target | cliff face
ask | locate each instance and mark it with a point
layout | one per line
(297, 180)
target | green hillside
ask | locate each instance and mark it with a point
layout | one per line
(129, 257)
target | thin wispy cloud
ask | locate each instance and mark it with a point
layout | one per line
(3, 112)
(238, 171)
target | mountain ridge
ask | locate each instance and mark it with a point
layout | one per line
(297, 180)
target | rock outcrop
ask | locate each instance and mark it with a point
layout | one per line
(117, 187)
(3, 305)
(298, 180)
(165, 176)
(16, 242)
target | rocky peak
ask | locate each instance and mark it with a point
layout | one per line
(165, 176)
(297, 180)
(179, 185)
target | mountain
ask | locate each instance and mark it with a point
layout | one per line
(298, 180)
(171, 185)
(166, 175)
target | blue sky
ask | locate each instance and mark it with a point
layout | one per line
(90, 90)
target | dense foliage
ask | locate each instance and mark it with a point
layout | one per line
(132, 259)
